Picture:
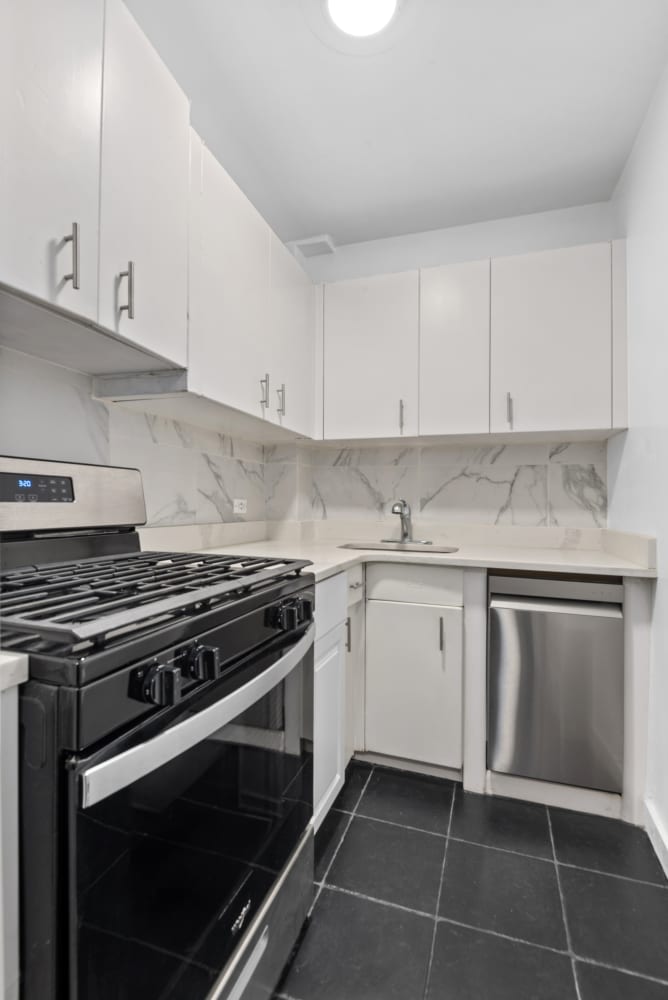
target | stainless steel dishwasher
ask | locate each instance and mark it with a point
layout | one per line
(556, 680)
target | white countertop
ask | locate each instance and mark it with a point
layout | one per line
(328, 558)
(13, 670)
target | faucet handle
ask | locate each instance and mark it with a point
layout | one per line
(401, 507)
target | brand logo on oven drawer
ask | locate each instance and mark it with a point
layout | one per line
(241, 919)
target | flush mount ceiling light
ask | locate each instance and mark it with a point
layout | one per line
(361, 18)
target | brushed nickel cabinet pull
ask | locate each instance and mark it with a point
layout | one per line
(73, 276)
(281, 400)
(509, 409)
(129, 307)
(264, 386)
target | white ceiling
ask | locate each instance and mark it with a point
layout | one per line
(465, 110)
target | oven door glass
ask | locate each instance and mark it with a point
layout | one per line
(169, 864)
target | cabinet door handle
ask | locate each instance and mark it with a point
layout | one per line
(441, 634)
(509, 409)
(129, 308)
(401, 416)
(281, 400)
(73, 276)
(355, 586)
(349, 644)
(264, 386)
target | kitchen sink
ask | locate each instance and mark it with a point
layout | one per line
(399, 547)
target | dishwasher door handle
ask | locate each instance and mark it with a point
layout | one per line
(542, 605)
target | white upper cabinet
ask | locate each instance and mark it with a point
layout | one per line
(144, 193)
(454, 349)
(229, 284)
(371, 357)
(292, 326)
(50, 100)
(551, 344)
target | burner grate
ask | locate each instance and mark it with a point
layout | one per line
(87, 599)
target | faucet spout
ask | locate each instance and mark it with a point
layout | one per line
(404, 511)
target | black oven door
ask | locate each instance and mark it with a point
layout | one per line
(176, 839)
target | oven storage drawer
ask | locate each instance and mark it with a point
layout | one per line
(266, 947)
(556, 690)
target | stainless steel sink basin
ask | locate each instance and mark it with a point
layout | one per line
(399, 547)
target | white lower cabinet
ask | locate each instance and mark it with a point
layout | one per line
(329, 694)
(414, 682)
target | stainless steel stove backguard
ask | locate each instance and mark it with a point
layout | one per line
(104, 497)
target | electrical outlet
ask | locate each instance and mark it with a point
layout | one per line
(240, 506)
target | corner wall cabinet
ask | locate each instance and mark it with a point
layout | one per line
(371, 357)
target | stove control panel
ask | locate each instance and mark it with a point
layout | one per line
(29, 488)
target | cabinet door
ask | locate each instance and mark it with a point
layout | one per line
(551, 354)
(371, 357)
(144, 192)
(229, 349)
(354, 680)
(50, 107)
(454, 349)
(292, 325)
(414, 682)
(328, 721)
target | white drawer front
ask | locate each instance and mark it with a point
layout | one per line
(443, 585)
(331, 604)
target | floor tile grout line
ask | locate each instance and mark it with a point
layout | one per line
(506, 937)
(618, 968)
(624, 878)
(564, 917)
(438, 897)
(402, 826)
(375, 899)
(343, 835)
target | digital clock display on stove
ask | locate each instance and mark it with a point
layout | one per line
(28, 488)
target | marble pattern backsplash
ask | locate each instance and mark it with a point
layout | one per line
(559, 484)
(192, 475)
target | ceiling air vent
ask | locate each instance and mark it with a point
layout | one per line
(314, 246)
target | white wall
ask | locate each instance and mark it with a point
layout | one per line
(500, 237)
(638, 459)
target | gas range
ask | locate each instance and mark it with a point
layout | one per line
(167, 692)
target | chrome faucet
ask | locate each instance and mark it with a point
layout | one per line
(404, 511)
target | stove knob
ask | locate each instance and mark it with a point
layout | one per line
(204, 663)
(305, 607)
(162, 685)
(285, 617)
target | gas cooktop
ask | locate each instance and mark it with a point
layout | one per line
(88, 600)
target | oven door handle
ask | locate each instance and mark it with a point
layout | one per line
(102, 780)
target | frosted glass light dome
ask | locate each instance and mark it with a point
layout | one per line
(361, 18)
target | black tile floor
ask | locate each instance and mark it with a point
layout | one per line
(425, 892)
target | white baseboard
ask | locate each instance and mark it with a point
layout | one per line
(550, 794)
(657, 833)
(409, 765)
